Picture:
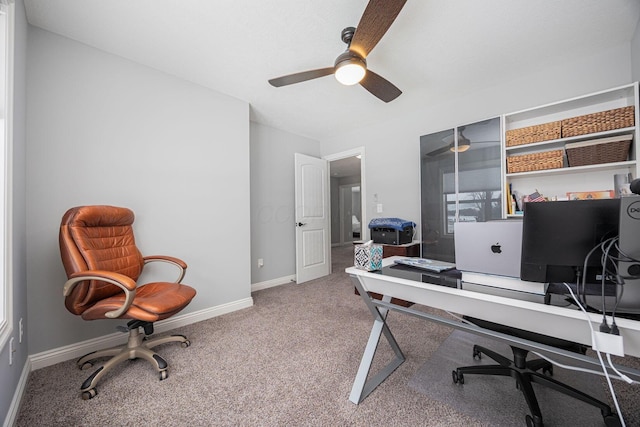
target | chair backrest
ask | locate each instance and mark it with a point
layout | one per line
(97, 238)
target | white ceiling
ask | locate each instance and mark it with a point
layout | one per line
(435, 48)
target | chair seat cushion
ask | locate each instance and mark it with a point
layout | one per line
(154, 301)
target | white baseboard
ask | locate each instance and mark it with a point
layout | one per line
(74, 351)
(273, 282)
(12, 413)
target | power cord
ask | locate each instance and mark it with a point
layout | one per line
(620, 376)
(604, 367)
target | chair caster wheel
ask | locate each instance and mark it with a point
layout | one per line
(612, 420)
(532, 423)
(85, 366)
(89, 394)
(458, 377)
(185, 344)
(476, 353)
(163, 375)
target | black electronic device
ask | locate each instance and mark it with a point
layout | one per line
(629, 248)
(557, 236)
(392, 236)
(391, 231)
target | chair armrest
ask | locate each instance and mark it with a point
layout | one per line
(126, 283)
(182, 266)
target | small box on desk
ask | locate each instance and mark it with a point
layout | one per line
(368, 257)
(391, 231)
(390, 236)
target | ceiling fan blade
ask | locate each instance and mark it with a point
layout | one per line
(380, 87)
(374, 23)
(301, 77)
(439, 151)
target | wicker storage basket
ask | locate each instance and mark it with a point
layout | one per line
(599, 122)
(602, 150)
(537, 133)
(535, 161)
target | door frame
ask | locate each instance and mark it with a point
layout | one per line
(358, 151)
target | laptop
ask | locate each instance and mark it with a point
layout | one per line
(488, 256)
(492, 247)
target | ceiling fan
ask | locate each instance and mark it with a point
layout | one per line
(464, 144)
(351, 66)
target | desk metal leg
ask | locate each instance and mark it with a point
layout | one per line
(361, 386)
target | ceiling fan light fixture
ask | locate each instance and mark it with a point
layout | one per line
(463, 145)
(350, 68)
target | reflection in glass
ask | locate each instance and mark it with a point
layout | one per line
(469, 190)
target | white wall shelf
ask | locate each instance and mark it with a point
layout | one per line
(554, 143)
(577, 169)
(556, 183)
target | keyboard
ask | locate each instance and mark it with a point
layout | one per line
(436, 266)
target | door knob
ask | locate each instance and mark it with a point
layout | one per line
(300, 224)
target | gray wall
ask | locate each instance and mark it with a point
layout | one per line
(10, 375)
(104, 130)
(399, 190)
(635, 54)
(272, 200)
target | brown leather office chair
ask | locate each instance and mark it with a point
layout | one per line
(102, 263)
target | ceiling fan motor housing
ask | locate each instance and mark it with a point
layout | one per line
(350, 57)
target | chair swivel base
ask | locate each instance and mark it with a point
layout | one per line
(138, 347)
(526, 373)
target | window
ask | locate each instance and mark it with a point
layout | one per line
(6, 140)
(478, 206)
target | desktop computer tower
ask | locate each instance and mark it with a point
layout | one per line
(629, 246)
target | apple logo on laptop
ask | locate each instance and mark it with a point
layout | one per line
(496, 249)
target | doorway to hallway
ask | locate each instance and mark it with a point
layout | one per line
(347, 192)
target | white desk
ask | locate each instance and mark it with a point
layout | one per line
(561, 322)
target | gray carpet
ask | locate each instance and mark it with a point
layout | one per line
(496, 400)
(289, 360)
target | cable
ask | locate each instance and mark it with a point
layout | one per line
(604, 327)
(604, 368)
(584, 272)
(604, 261)
(579, 369)
(607, 259)
(620, 374)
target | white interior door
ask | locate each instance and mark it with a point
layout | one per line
(312, 218)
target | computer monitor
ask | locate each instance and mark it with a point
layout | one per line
(557, 236)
